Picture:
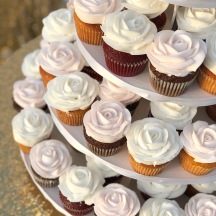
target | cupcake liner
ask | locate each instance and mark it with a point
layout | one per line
(211, 111)
(23, 148)
(148, 170)
(92, 73)
(46, 77)
(159, 21)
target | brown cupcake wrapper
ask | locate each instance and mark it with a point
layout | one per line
(23, 148)
(46, 77)
(159, 21)
(92, 73)
(211, 111)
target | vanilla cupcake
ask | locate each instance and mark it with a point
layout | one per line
(31, 126)
(71, 95)
(200, 22)
(77, 189)
(115, 199)
(160, 190)
(198, 154)
(49, 159)
(30, 65)
(157, 207)
(105, 126)
(152, 144)
(110, 91)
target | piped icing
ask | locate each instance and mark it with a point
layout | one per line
(200, 22)
(201, 204)
(31, 126)
(115, 199)
(107, 121)
(71, 92)
(199, 140)
(29, 93)
(151, 141)
(44, 43)
(209, 187)
(176, 114)
(50, 158)
(161, 207)
(176, 53)
(59, 26)
(79, 183)
(61, 58)
(30, 65)
(128, 31)
(161, 190)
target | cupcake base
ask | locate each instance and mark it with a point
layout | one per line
(46, 77)
(211, 111)
(23, 148)
(159, 21)
(92, 73)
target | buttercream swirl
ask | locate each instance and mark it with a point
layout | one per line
(151, 141)
(50, 158)
(199, 140)
(29, 93)
(80, 183)
(150, 8)
(176, 114)
(59, 26)
(31, 126)
(95, 11)
(202, 205)
(105, 171)
(44, 43)
(71, 92)
(205, 188)
(128, 31)
(115, 199)
(107, 121)
(176, 52)
(110, 91)
(161, 207)
(200, 22)
(30, 65)
(161, 190)
(61, 58)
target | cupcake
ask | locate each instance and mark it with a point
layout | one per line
(28, 93)
(198, 154)
(174, 59)
(89, 15)
(77, 188)
(59, 26)
(211, 111)
(207, 73)
(59, 58)
(115, 199)
(127, 36)
(49, 159)
(105, 125)
(201, 204)
(152, 144)
(30, 65)
(71, 95)
(110, 91)
(160, 190)
(154, 10)
(31, 126)
(158, 207)
(200, 22)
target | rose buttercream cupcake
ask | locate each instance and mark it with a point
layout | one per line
(105, 125)
(30, 65)
(28, 93)
(153, 9)
(59, 26)
(152, 144)
(115, 199)
(200, 22)
(49, 159)
(110, 91)
(59, 58)
(89, 15)
(160, 190)
(174, 59)
(31, 126)
(71, 95)
(78, 186)
(201, 204)
(158, 207)
(127, 36)
(198, 155)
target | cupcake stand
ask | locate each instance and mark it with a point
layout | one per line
(140, 85)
